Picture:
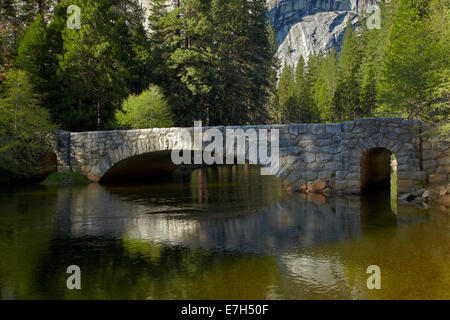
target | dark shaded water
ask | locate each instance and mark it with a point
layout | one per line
(225, 233)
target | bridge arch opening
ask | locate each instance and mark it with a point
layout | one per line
(144, 167)
(378, 171)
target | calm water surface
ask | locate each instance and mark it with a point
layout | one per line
(224, 233)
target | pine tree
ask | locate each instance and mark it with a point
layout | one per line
(21, 115)
(325, 86)
(286, 96)
(302, 96)
(15, 17)
(346, 104)
(214, 60)
(368, 93)
(415, 65)
(98, 64)
(25, 124)
(272, 101)
(35, 58)
(312, 76)
(372, 65)
(245, 60)
(263, 61)
(350, 55)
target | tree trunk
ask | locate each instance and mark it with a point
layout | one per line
(15, 120)
(99, 121)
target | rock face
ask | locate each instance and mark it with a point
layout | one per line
(306, 26)
(436, 159)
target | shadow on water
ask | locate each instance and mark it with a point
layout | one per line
(376, 211)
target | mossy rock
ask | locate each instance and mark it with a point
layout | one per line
(65, 178)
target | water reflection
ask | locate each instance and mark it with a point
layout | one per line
(376, 211)
(219, 233)
(101, 212)
(224, 222)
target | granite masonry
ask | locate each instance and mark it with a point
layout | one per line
(319, 158)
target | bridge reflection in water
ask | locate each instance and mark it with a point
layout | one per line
(212, 216)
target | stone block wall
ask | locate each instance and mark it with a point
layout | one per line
(310, 157)
(399, 136)
(436, 159)
(60, 142)
(327, 157)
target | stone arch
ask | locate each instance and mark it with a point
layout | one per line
(146, 166)
(406, 154)
(352, 168)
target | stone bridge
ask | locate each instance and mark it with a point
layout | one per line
(349, 157)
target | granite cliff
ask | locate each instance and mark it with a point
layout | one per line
(306, 26)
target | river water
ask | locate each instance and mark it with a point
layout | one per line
(217, 233)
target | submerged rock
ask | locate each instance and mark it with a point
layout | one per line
(419, 192)
(426, 194)
(444, 200)
(406, 197)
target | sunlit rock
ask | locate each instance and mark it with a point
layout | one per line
(306, 26)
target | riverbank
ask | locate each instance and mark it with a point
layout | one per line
(65, 178)
(436, 195)
(25, 162)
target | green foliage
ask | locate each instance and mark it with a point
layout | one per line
(415, 81)
(35, 58)
(30, 51)
(272, 104)
(350, 55)
(346, 98)
(24, 161)
(65, 178)
(24, 125)
(398, 70)
(101, 63)
(294, 99)
(83, 75)
(286, 95)
(325, 85)
(21, 116)
(376, 42)
(214, 60)
(14, 17)
(368, 93)
(303, 94)
(147, 110)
